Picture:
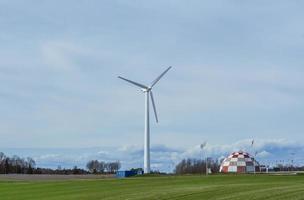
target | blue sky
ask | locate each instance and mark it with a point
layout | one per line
(237, 73)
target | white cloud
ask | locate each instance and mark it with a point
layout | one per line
(103, 152)
(47, 157)
(263, 154)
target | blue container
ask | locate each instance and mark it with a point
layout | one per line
(124, 174)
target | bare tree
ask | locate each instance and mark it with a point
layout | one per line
(95, 166)
(194, 166)
(101, 166)
(30, 164)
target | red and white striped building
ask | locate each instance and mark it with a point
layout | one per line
(239, 162)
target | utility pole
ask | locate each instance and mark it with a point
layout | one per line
(252, 143)
(292, 159)
(206, 166)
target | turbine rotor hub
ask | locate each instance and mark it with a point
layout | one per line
(146, 89)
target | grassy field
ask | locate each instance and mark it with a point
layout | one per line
(175, 187)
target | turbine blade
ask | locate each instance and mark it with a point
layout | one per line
(154, 107)
(134, 83)
(159, 77)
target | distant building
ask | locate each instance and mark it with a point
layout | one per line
(239, 162)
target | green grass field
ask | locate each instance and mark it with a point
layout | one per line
(175, 187)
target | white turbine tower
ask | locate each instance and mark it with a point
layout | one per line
(148, 93)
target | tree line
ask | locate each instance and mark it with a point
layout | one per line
(15, 164)
(101, 167)
(281, 167)
(18, 165)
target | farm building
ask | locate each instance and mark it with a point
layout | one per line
(239, 162)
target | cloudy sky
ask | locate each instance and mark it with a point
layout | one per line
(237, 75)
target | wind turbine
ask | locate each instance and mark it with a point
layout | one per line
(203, 145)
(148, 93)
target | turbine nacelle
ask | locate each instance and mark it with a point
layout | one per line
(146, 89)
